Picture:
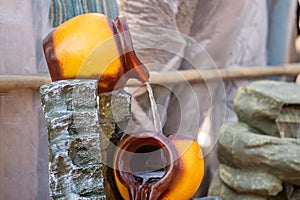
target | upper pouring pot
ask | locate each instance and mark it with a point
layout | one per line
(91, 46)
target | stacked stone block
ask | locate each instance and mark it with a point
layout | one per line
(255, 162)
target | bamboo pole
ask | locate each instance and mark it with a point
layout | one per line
(10, 82)
(199, 76)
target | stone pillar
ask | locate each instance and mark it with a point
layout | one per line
(115, 112)
(75, 163)
(83, 134)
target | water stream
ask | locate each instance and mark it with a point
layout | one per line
(145, 177)
(155, 114)
(148, 170)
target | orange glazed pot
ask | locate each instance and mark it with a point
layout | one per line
(91, 46)
(183, 172)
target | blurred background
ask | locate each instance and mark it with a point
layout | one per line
(233, 33)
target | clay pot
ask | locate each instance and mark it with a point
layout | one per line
(184, 167)
(91, 46)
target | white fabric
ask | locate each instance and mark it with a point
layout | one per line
(23, 24)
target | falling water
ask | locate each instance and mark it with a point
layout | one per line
(155, 115)
(145, 187)
(145, 177)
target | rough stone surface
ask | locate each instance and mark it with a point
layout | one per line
(261, 103)
(115, 112)
(114, 108)
(218, 188)
(288, 193)
(296, 193)
(70, 109)
(250, 181)
(241, 148)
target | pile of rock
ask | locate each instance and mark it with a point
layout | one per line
(255, 162)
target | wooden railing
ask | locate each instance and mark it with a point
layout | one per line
(10, 82)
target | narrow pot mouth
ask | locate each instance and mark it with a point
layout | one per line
(129, 146)
(132, 65)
